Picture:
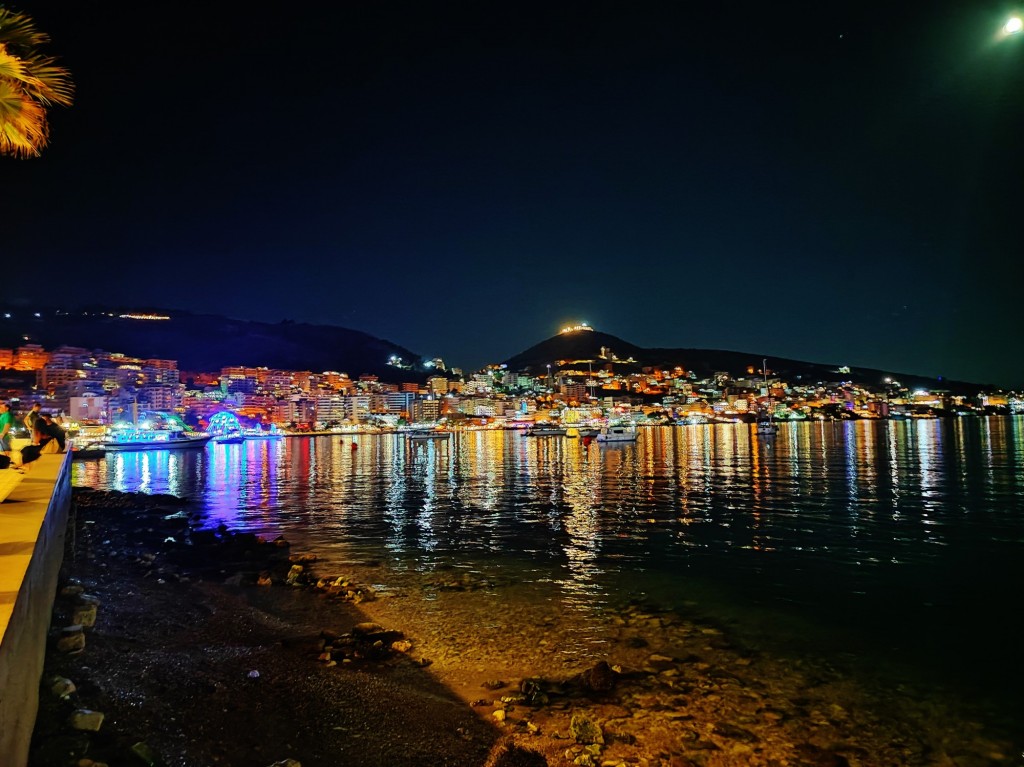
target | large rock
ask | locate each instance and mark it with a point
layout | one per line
(84, 615)
(84, 719)
(71, 640)
(61, 687)
(584, 731)
(600, 679)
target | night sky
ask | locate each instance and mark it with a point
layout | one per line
(837, 182)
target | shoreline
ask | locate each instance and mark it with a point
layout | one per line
(181, 624)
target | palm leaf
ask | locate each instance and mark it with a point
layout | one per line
(29, 82)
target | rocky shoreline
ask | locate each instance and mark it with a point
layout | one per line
(178, 645)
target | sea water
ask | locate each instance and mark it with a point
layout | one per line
(898, 546)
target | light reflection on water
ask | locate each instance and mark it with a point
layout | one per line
(908, 531)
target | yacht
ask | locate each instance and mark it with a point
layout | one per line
(123, 440)
(618, 432)
(545, 430)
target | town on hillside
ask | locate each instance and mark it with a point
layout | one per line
(90, 386)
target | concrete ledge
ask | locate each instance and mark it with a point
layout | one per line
(33, 526)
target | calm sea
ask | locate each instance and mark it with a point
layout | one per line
(896, 543)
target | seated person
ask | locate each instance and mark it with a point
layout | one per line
(54, 429)
(41, 438)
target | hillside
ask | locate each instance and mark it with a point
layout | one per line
(201, 342)
(586, 345)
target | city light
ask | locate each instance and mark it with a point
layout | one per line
(141, 316)
(576, 328)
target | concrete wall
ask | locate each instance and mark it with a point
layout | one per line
(33, 524)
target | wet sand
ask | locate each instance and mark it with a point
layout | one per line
(459, 666)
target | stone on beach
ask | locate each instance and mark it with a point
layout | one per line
(84, 615)
(84, 719)
(584, 730)
(72, 640)
(61, 687)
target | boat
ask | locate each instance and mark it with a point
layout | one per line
(123, 440)
(425, 434)
(258, 433)
(232, 438)
(545, 430)
(766, 426)
(87, 450)
(618, 432)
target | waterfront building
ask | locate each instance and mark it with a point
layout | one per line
(437, 385)
(425, 410)
(330, 409)
(399, 402)
(30, 357)
(162, 398)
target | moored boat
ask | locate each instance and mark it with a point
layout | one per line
(545, 430)
(428, 434)
(123, 440)
(618, 432)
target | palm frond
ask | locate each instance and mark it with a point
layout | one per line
(19, 32)
(23, 127)
(29, 82)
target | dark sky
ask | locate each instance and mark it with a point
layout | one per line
(838, 181)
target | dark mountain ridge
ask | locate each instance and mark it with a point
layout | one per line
(563, 349)
(207, 342)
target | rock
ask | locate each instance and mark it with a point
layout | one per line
(302, 559)
(733, 732)
(294, 577)
(144, 754)
(234, 580)
(72, 640)
(72, 590)
(84, 615)
(287, 763)
(584, 731)
(84, 719)
(599, 679)
(254, 674)
(499, 715)
(367, 628)
(61, 687)
(263, 579)
(660, 662)
(402, 645)
(517, 756)
(493, 684)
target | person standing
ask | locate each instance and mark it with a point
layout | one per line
(6, 424)
(32, 416)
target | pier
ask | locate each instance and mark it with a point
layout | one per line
(33, 524)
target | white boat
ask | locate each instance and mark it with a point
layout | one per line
(258, 433)
(123, 440)
(618, 432)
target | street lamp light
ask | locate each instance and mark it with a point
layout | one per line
(1013, 26)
